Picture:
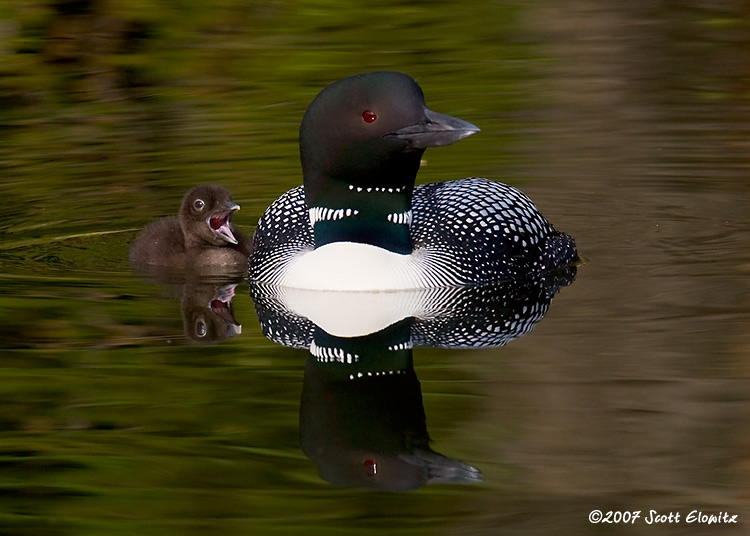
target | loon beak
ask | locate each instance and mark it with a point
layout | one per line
(219, 223)
(434, 131)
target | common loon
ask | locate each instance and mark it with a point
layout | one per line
(201, 234)
(359, 223)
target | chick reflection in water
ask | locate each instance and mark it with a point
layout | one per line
(206, 308)
(361, 416)
(207, 312)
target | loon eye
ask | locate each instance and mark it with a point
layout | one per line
(199, 204)
(369, 117)
(371, 467)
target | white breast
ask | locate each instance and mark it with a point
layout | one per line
(351, 266)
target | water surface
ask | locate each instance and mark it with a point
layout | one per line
(627, 125)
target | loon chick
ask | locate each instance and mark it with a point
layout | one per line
(201, 235)
(359, 223)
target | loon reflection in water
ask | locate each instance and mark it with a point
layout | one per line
(363, 423)
(361, 416)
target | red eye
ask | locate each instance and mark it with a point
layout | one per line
(368, 116)
(371, 467)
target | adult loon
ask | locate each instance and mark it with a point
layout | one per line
(359, 223)
(201, 235)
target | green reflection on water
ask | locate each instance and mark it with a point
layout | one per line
(123, 107)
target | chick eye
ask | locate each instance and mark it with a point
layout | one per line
(369, 117)
(199, 204)
(201, 329)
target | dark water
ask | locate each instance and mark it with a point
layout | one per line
(626, 123)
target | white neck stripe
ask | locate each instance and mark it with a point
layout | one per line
(324, 214)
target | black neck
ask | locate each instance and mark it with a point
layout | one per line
(348, 213)
(373, 201)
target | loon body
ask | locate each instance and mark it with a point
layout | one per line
(359, 223)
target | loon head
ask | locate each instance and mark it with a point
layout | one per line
(370, 130)
(361, 142)
(205, 216)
